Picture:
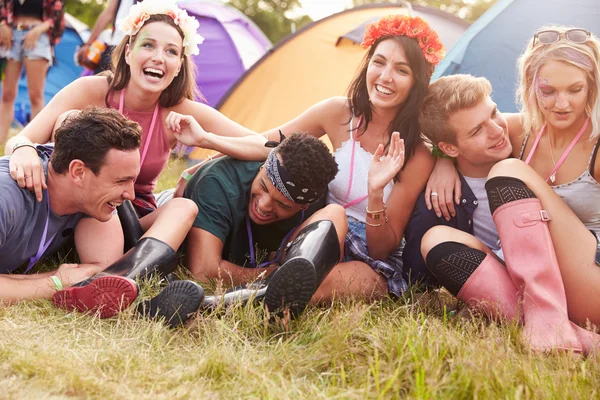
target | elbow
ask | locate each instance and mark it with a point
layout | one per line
(203, 269)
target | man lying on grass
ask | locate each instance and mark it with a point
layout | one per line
(499, 259)
(261, 219)
(90, 170)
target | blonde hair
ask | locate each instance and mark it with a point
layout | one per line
(446, 96)
(585, 56)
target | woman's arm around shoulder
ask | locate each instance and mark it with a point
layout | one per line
(211, 120)
(515, 130)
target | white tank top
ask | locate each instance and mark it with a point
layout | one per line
(359, 171)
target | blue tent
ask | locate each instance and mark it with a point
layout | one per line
(492, 45)
(59, 75)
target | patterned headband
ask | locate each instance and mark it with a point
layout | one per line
(282, 180)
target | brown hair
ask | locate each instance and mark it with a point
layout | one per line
(406, 120)
(90, 134)
(183, 85)
(446, 96)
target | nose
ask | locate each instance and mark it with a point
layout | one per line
(158, 55)
(561, 101)
(129, 192)
(386, 74)
(265, 203)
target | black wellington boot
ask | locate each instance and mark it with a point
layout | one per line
(114, 289)
(130, 222)
(177, 302)
(310, 257)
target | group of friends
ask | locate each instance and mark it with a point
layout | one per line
(505, 217)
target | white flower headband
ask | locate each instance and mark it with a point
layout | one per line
(140, 12)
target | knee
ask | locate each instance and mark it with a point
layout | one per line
(36, 98)
(433, 237)
(9, 94)
(186, 209)
(336, 214)
(509, 167)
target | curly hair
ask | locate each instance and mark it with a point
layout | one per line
(89, 135)
(406, 120)
(308, 160)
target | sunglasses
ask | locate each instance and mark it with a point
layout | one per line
(552, 36)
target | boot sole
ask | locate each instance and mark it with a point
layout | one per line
(107, 295)
(291, 286)
(176, 303)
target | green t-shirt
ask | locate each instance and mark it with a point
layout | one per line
(221, 190)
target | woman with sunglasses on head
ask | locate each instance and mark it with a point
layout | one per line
(544, 201)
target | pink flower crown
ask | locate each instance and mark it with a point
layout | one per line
(412, 27)
(139, 13)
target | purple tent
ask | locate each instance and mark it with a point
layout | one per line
(232, 43)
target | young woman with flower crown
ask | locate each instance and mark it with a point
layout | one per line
(153, 76)
(545, 200)
(378, 118)
(153, 84)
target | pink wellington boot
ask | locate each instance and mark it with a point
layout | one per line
(490, 290)
(532, 265)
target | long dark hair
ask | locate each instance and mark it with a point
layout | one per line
(183, 85)
(406, 120)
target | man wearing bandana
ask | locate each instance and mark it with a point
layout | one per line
(258, 220)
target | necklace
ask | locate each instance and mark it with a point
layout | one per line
(552, 176)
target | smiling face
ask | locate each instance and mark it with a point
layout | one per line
(267, 204)
(113, 184)
(481, 138)
(155, 57)
(562, 93)
(389, 76)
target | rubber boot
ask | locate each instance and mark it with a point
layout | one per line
(533, 268)
(176, 304)
(132, 229)
(310, 257)
(149, 256)
(491, 290)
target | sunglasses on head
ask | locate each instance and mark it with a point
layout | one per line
(551, 36)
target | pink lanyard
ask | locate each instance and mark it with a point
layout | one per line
(152, 123)
(43, 243)
(564, 155)
(358, 200)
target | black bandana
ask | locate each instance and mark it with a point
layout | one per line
(281, 179)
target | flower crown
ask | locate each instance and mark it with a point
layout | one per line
(140, 12)
(412, 27)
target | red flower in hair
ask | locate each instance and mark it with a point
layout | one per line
(412, 27)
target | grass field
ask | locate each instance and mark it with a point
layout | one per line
(351, 350)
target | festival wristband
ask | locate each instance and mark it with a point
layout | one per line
(23, 143)
(185, 175)
(57, 282)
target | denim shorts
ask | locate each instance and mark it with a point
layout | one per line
(42, 49)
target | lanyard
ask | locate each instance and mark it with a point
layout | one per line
(552, 176)
(251, 244)
(43, 244)
(152, 123)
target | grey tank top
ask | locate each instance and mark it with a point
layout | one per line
(581, 194)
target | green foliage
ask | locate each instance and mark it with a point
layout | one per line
(85, 10)
(271, 16)
(467, 9)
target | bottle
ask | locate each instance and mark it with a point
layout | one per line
(93, 55)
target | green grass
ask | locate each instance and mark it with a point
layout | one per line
(351, 350)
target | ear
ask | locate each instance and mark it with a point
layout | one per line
(77, 172)
(449, 149)
(128, 54)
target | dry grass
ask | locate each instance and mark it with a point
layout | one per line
(351, 350)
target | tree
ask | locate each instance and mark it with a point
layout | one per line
(466, 9)
(272, 16)
(85, 10)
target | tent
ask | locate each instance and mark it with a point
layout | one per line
(493, 43)
(317, 62)
(62, 73)
(232, 44)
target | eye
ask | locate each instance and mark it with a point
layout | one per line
(284, 206)
(377, 62)
(173, 52)
(263, 187)
(576, 90)
(476, 131)
(147, 45)
(403, 71)
(494, 113)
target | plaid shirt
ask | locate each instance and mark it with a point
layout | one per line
(52, 11)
